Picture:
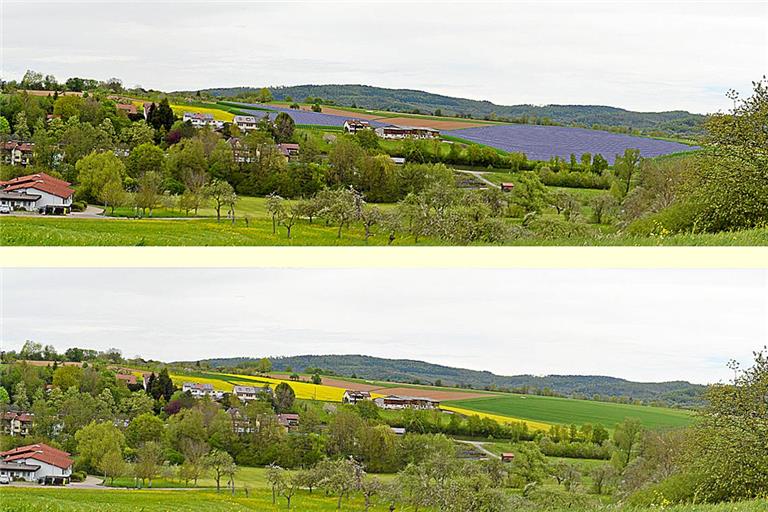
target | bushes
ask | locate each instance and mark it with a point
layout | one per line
(679, 488)
(78, 476)
(573, 179)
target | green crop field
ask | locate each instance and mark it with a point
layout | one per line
(567, 411)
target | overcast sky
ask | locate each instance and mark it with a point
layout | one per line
(648, 56)
(646, 325)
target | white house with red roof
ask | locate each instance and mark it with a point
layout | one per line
(36, 463)
(52, 193)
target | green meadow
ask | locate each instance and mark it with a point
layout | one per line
(41, 499)
(569, 411)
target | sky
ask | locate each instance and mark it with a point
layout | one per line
(643, 325)
(646, 56)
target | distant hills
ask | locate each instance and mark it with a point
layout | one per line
(678, 393)
(675, 122)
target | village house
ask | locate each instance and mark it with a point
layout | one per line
(240, 153)
(401, 132)
(55, 195)
(18, 201)
(16, 423)
(128, 108)
(289, 150)
(36, 463)
(241, 424)
(246, 393)
(246, 123)
(199, 120)
(16, 152)
(352, 396)
(288, 420)
(405, 402)
(128, 378)
(355, 125)
(199, 390)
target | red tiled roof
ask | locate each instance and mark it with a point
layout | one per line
(128, 107)
(130, 379)
(40, 452)
(41, 181)
(14, 144)
(23, 417)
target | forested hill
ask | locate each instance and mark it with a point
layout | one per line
(409, 100)
(406, 370)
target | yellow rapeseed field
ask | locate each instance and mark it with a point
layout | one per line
(219, 115)
(535, 425)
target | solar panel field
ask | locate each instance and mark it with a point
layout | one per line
(545, 142)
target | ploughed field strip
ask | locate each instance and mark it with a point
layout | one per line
(545, 142)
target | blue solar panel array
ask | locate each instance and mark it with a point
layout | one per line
(545, 142)
(537, 142)
(300, 116)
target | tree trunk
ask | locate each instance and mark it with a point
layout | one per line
(289, 231)
(341, 225)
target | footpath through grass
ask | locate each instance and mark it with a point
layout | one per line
(568, 411)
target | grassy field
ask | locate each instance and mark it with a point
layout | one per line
(58, 231)
(51, 499)
(566, 411)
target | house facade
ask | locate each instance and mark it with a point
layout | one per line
(199, 120)
(352, 396)
(17, 153)
(289, 150)
(53, 193)
(246, 123)
(406, 402)
(355, 125)
(247, 393)
(199, 390)
(15, 424)
(37, 463)
(401, 132)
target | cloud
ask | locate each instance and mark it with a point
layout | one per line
(638, 55)
(641, 324)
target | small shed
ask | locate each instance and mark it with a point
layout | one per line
(507, 457)
(507, 186)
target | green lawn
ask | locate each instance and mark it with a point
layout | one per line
(58, 231)
(57, 499)
(52, 499)
(567, 411)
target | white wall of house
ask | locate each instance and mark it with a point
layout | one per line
(45, 468)
(46, 198)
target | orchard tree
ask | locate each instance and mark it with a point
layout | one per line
(220, 463)
(221, 193)
(95, 440)
(276, 210)
(149, 459)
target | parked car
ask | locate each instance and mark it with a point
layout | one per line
(5, 479)
(5, 208)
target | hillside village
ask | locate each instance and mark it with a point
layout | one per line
(85, 418)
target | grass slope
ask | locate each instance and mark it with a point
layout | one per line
(36, 231)
(38, 499)
(566, 411)
(52, 499)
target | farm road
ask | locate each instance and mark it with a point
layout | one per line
(479, 446)
(479, 175)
